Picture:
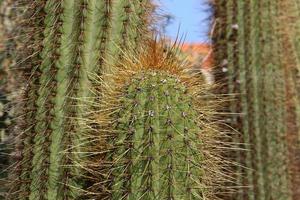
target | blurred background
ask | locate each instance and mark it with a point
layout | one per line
(188, 18)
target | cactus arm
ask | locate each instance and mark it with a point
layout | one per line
(71, 21)
(92, 48)
(137, 107)
(93, 39)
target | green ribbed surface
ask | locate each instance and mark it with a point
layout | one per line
(255, 73)
(62, 44)
(70, 30)
(157, 150)
(127, 29)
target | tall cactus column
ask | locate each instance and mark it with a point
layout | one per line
(251, 62)
(64, 42)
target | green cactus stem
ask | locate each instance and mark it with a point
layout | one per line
(254, 70)
(157, 152)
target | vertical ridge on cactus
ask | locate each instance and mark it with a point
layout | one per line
(66, 71)
(44, 103)
(227, 75)
(253, 95)
(127, 31)
(241, 20)
(97, 22)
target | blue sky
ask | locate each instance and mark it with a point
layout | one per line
(191, 16)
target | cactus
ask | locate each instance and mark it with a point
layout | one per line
(250, 60)
(160, 132)
(160, 156)
(59, 44)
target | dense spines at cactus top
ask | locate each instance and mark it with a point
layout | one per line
(252, 66)
(59, 44)
(160, 132)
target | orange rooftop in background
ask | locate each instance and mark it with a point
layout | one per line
(202, 50)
